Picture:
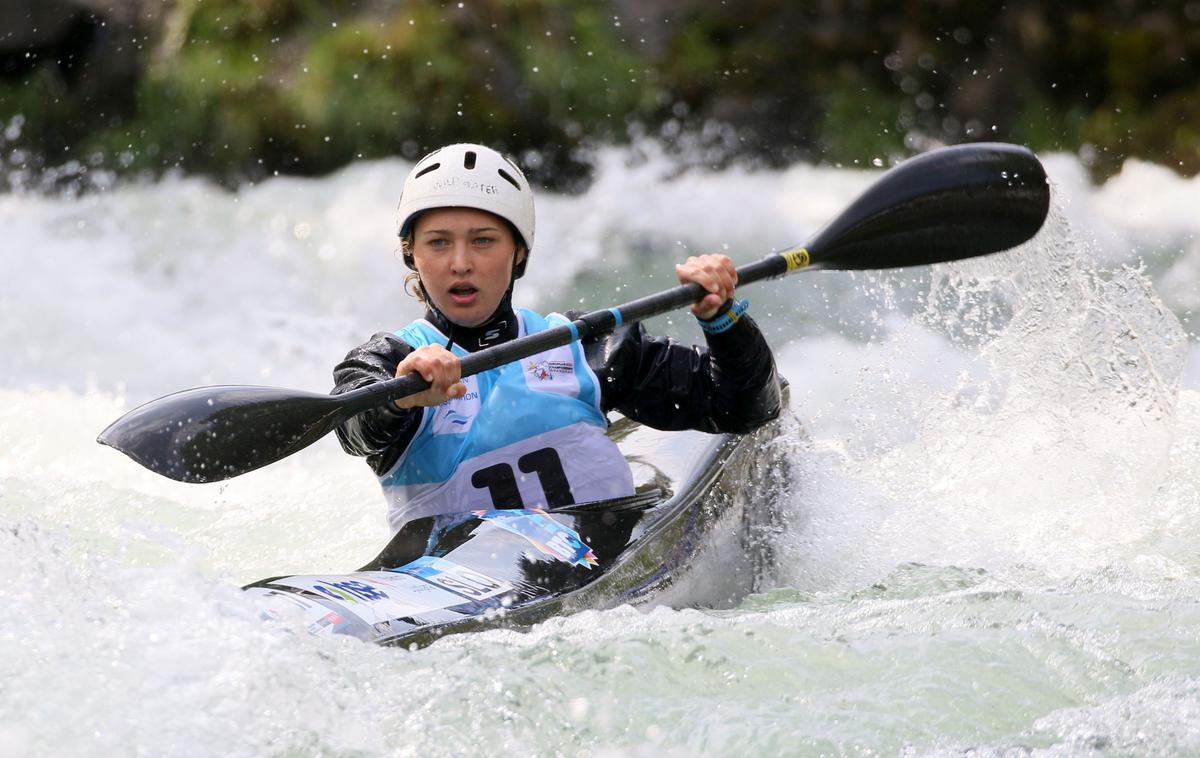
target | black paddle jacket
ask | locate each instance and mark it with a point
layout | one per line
(729, 387)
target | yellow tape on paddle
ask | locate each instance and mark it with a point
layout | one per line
(797, 258)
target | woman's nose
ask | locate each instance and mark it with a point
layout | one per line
(460, 258)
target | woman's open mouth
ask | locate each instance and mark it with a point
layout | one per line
(463, 294)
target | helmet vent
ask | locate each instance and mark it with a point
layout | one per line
(427, 169)
(469, 159)
(508, 178)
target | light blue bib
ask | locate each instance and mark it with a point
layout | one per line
(529, 434)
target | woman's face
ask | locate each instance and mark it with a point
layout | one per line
(465, 259)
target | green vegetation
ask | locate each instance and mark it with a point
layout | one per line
(241, 89)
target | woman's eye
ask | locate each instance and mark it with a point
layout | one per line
(484, 240)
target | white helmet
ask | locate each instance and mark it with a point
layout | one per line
(469, 176)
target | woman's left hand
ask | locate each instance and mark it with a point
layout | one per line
(715, 273)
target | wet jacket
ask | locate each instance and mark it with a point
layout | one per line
(730, 386)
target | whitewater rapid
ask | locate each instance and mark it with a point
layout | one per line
(992, 545)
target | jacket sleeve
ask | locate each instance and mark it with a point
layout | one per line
(383, 433)
(731, 386)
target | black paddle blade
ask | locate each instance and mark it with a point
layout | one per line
(945, 205)
(213, 433)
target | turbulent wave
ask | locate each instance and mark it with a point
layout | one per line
(1030, 414)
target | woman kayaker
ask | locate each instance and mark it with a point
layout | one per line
(531, 433)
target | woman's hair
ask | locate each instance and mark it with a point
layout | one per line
(412, 281)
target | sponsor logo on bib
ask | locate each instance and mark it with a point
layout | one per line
(456, 416)
(546, 370)
(552, 371)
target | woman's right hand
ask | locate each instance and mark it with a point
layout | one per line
(438, 366)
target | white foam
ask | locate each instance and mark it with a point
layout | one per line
(1032, 416)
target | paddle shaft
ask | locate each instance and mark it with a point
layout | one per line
(588, 325)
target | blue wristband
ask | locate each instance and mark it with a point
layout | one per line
(723, 322)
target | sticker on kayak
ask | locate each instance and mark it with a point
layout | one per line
(544, 533)
(274, 604)
(450, 575)
(376, 596)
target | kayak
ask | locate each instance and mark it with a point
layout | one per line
(704, 505)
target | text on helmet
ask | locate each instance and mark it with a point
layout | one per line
(454, 181)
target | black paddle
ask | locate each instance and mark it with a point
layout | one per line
(957, 202)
